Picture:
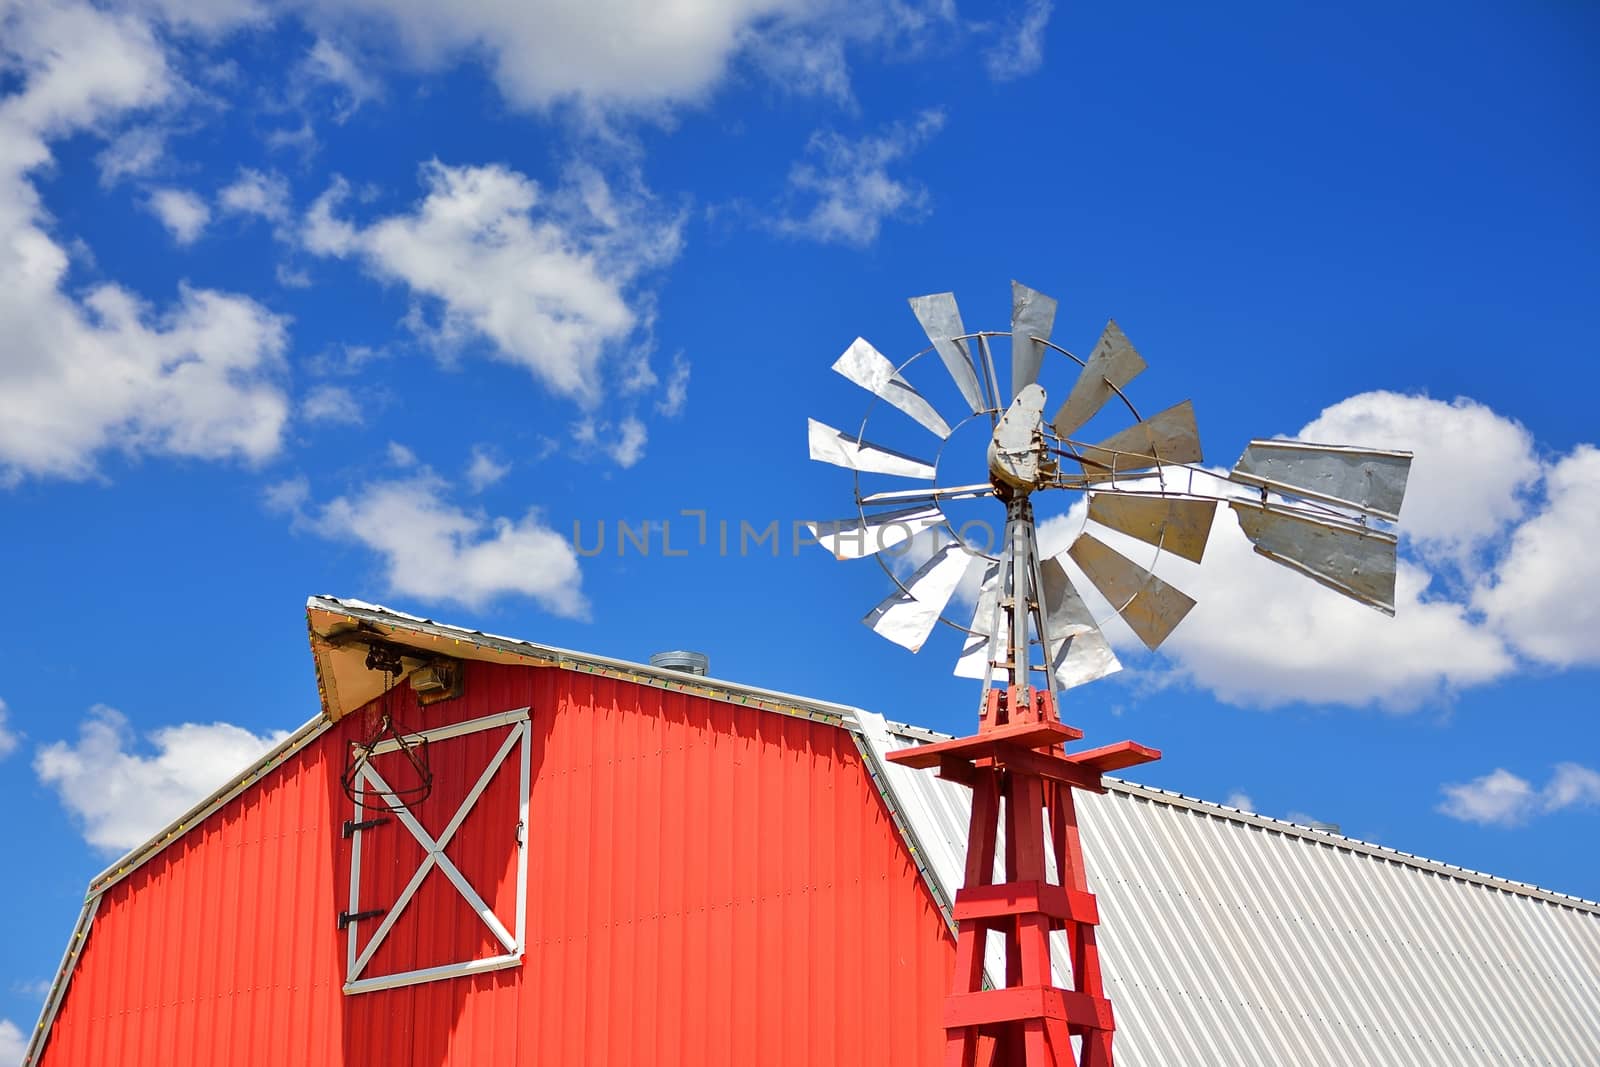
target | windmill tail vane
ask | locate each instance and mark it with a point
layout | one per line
(1324, 511)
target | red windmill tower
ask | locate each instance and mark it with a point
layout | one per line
(1309, 507)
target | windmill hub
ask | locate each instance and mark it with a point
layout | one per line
(1018, 459)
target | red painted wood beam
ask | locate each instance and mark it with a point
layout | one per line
(1114, 757)
(1026, 898)
(1025, 734)
(1080, 1011)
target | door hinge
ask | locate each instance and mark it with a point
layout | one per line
(348, 917)
(351, 826)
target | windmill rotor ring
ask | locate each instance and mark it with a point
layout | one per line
(1306, 506)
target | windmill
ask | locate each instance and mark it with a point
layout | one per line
(1322, 510)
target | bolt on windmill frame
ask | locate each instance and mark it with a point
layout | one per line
(1325, 511)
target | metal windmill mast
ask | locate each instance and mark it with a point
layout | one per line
(1317, 509)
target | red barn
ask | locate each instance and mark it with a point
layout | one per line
(617, 864)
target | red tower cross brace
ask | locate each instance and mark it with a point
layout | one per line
(1020, 777)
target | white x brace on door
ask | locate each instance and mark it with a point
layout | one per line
(506, 944)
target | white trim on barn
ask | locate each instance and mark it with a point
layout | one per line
(357, 977)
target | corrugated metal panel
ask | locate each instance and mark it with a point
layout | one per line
(1228, 939)
(708, 884)
(220, 944)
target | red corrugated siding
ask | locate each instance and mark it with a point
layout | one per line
(707, 884)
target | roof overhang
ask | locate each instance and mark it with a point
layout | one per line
(343, 633)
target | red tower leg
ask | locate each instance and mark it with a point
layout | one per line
(1018, 774)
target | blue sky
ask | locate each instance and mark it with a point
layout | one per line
(379, 300)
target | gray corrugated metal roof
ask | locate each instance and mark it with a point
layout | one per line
(1231, 938)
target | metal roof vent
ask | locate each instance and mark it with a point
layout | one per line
(687, 662)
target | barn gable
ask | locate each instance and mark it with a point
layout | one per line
(688, 861)
(769, 830)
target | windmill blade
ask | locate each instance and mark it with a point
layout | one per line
(907, 616)
(1112, 363)
(1169, 436)
(953, 492)
(1366, 479)
(977, 651)
(871, 370)
(857, 538)
(1032, 315)
(1151, 607)
(1353, 560)
(829, 445)
(1079, 652)
(1173, 524)
(941, 320)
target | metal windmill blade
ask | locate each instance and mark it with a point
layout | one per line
(1169, 437)
(861, 537)
(1331, 545)
(1180, 525)
(1150, 607)
(870, 369)
(941, 320)
(908, 615)
(1079, 652)
(842, 450)
(1033, 315)
(1111, 366)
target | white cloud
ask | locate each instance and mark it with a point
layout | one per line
(37, 988)
(292, 277)
(1573, 785)
(627, 54)
(331, 403)
(628, 448)
(485, 470)
(289, 496)
(210, 18)
(328, 64)
(1501, 798)
(8, 736)
(1544, 596)
(345, 360)
(401, 456)
(121, 796)
(1498, 798)
(181, 212)
(104, 371)
(623, 442)
(676, 394)
(546, 277)
(438, 552)
(12, 1044)
(1241, 800)
(256, 193)
(300, 140)
(641, 57)
(805, 61)
(133, 153)
(847, 186)
(1020, 49)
